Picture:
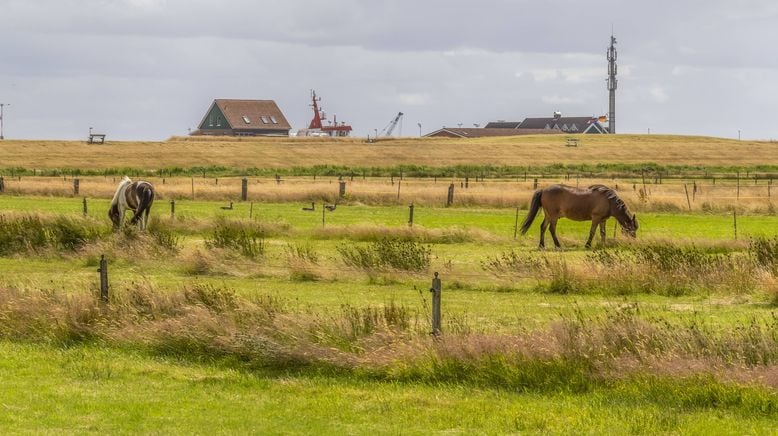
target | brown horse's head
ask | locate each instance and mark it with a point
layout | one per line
(630, 227)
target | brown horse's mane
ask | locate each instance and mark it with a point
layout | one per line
(616, 203)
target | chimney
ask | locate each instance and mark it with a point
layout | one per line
(557, 115)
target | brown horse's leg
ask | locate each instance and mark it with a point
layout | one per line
(552, 227)
(543, 227)
(602, 231)
(591, 233)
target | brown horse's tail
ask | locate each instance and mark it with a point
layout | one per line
(533, 211)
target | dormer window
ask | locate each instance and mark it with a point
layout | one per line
(273, 119)
(246, 119)
(265, 120)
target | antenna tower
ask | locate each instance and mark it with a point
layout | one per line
(612, 84)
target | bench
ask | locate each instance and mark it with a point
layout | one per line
(96, 138)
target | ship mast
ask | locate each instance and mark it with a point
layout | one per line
(316, 121)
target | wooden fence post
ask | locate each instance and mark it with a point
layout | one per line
(410, 215)
(172, 210)
(535, 184)
(436, 290)
(251, 210)
(323, 209)
(738, 185)
(85, 210)
(342, 189)
(76, 183)
(734, 220)
(193, 188)
(2, 185)
(686, 189)
(450, 198)
(399, 183)
(516, 224)
(244, 189)
(103, 270)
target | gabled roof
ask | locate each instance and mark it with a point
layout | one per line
(581, 123)
(252, 114)
(469, 132)
(503, 125)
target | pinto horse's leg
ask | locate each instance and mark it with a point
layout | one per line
(543, 227)
(552, 227)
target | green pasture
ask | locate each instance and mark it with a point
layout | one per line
(95, 387)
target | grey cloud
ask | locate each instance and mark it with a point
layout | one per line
(148, 68)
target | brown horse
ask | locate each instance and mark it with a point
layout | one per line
(136, 196)
(596, 203)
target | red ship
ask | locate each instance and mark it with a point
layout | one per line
(316, 128)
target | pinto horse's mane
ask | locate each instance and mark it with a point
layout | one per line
(123, 184)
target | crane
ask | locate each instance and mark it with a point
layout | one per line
(392, 124)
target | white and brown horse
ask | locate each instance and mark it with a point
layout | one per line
(596, 203)
(136, 196)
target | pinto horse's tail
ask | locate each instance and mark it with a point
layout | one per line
(533, 211)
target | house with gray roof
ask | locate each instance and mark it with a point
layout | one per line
(556, 123)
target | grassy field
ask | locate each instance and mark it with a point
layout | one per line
(73, 390)
(284, 153)
(261, 318)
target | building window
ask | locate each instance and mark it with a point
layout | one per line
(218, 121)
(246, 119)
(273, 119)
(265, 120)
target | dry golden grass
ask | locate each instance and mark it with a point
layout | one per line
(670, 196)
(355, 152)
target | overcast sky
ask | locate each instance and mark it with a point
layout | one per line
(149, 69)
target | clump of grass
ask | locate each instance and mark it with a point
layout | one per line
(516, 264)
(671, 270)
(372, 233)
(388, 253)
(764, 252)
(248, 238)
(164, 235)
(303, 262)
(34, 233)
(302, 252)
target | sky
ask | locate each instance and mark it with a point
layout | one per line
(149, 69)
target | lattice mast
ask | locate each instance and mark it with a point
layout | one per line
(612, 84)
